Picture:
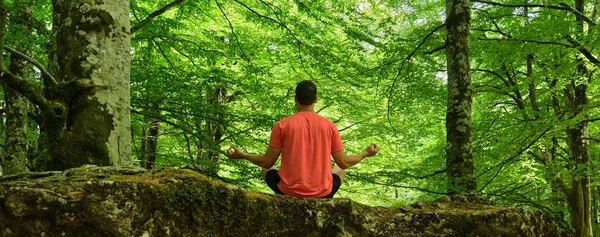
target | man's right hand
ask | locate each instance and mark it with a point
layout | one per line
(235, 153)
(372, 150)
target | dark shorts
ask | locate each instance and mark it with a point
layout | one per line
(272, 178)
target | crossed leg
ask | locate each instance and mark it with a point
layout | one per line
(340, 172)
(336, 170)
(264, 171)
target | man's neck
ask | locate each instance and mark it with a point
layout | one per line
(305, 109)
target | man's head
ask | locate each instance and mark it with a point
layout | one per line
(306, 93)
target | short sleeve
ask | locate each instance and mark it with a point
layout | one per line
(336, 140)
(276, 139)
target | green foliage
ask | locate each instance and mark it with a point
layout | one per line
(380, 70)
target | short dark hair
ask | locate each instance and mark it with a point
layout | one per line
(306, 92)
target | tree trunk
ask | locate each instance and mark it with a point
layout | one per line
(459, 156)
(150, 142)
(580, 203)
(15, 157)
(207, 156)
(580, 200)
(93, 73)
(596, 210)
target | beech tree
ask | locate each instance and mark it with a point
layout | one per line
(16, 145)
(84, 109)
(459, 155)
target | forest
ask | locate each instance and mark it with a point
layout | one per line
(493, 98)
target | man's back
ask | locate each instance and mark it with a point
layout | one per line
(305, 141)
(308, 140)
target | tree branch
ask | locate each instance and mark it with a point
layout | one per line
(562, 7)
(413, 52)
(273, 20)
(237, 40)
(526, 41)
(28, 90)
(432, 174)
(435, 50)
(510, 159)
(388, 184)
(162, 52)
(154, 15)
(522, 5)
(583, 51)
(42, 69)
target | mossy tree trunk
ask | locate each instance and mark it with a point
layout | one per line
(580, 200)
(15, 156)
(85, 107)
(459, 156)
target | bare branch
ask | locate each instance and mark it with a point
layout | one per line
(432, 174)
(412, 53)
(388, 184)
(522, 5)
(562, 7)
(592, 139)
(510, 159)
(408, 58)
(491, 30)
(273, 20)
(237, 40)
(440, 48)
(42, 69)
(162, 52)
(526, 41)
(154, 15)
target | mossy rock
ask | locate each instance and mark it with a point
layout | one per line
(109, 201)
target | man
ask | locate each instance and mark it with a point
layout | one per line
(306, 141)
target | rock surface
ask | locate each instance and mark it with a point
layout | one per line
(107, 201)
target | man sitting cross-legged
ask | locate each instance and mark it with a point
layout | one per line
(306, 141)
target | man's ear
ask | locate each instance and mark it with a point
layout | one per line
(316, 98)
(295, 100)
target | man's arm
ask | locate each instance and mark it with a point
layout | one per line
(266, 160)
(345, 161)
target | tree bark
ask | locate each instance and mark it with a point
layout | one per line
(459, 160)
(15, 157)
(93, 73)
(580, 201)
(150, 139)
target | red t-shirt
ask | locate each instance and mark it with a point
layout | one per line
(308, 140)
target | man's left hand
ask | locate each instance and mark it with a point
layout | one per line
(372, 150)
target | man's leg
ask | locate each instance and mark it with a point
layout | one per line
(340, 172)
(264, 171)
(272, 178)
(338, 176)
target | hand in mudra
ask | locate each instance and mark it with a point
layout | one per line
(372, 149)
(235, 153)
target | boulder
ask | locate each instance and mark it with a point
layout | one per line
(109, 201)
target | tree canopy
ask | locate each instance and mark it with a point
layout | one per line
(209, 74)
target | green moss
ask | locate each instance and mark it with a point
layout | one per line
(101, 201)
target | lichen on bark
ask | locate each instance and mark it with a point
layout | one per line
(93, 72)
(459, 156)
(14, 159)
